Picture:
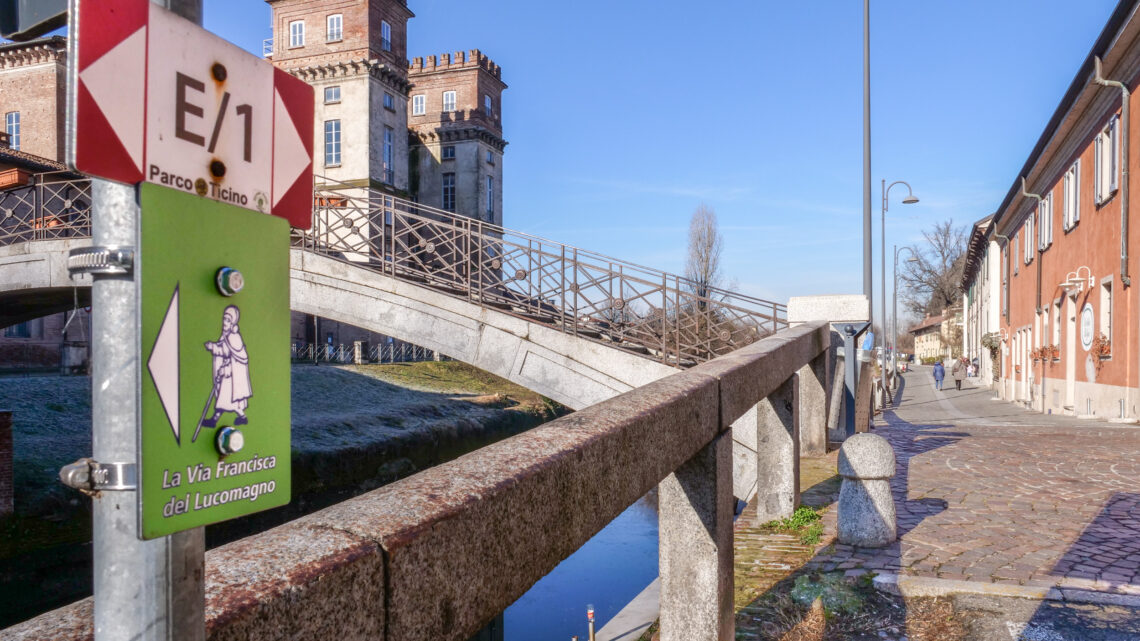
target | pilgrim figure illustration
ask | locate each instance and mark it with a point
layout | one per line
(232, 389)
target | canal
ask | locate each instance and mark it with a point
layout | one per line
(608, 572)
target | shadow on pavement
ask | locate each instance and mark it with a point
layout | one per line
(1107, 557)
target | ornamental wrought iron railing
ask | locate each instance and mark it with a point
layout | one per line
(52, 206)
(661, 316)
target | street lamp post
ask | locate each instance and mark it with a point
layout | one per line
(909, 200)
(895, 311)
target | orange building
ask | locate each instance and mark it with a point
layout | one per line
(1057, 262)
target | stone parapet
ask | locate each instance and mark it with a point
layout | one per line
(837, 308)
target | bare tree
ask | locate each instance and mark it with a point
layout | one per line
(932, 282)
(702, 264)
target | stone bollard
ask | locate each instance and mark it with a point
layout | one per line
(866, 507)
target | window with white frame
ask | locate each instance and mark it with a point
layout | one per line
(332, 143)
(1013, 256)
(334, 28)
(1107, 160)
(449, 101)
(332, 95)
(1072, 189)
(385, 36)
(1005, 260)
(1106, 309)
(1045, 222)
(449, 192)
(419, 105)
(389, 101)
(297, 33)
(1057, 322)
(389, 168)
(490, 196)
(1027, 244)
(12, 128)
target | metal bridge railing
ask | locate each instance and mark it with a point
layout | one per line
(346, 354)
(662, 316)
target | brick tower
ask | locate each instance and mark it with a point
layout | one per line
(456, 137)
(354, 53)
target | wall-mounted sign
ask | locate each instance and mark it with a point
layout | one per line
(214, 433)
(156, 98)
(1088, 332)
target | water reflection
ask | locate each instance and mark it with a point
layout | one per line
(608, 571)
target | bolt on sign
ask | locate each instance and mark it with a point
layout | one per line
(220, 144)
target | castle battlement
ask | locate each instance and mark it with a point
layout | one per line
(21, 54)
(458, 60)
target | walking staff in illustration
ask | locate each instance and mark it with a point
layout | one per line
(231, 391)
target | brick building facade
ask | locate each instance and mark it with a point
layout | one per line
(428, 130)
(1057, 262)
(456, 135)
(33, 87)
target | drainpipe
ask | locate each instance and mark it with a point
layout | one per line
(1125, 95)
(1039, 259)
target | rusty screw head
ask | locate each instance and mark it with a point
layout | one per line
(218, 71)
(217, 168)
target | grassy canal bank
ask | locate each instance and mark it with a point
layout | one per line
(354, 428)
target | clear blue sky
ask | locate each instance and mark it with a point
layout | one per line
(622, 117)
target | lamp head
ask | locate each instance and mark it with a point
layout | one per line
(910, 199)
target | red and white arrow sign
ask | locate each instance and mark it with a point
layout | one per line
(159, 99)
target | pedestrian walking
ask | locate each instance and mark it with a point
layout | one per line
(959, 372)
(939, 374)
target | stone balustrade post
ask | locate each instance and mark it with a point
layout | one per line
(778, 453)
(7, 491)
(695, 512)
(812, 405)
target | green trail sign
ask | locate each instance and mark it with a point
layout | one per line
(215, 420)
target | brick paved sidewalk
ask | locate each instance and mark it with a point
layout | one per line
(990, 493)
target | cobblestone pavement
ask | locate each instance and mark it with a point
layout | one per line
(987, 492)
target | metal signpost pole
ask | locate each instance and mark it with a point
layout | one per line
(143, 589)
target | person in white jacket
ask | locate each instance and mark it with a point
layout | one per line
(231, 370)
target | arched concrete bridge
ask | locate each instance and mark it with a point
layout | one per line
(575, 326)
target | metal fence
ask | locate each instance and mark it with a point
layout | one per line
(393, 353)
(662, 316)
(51, 207)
